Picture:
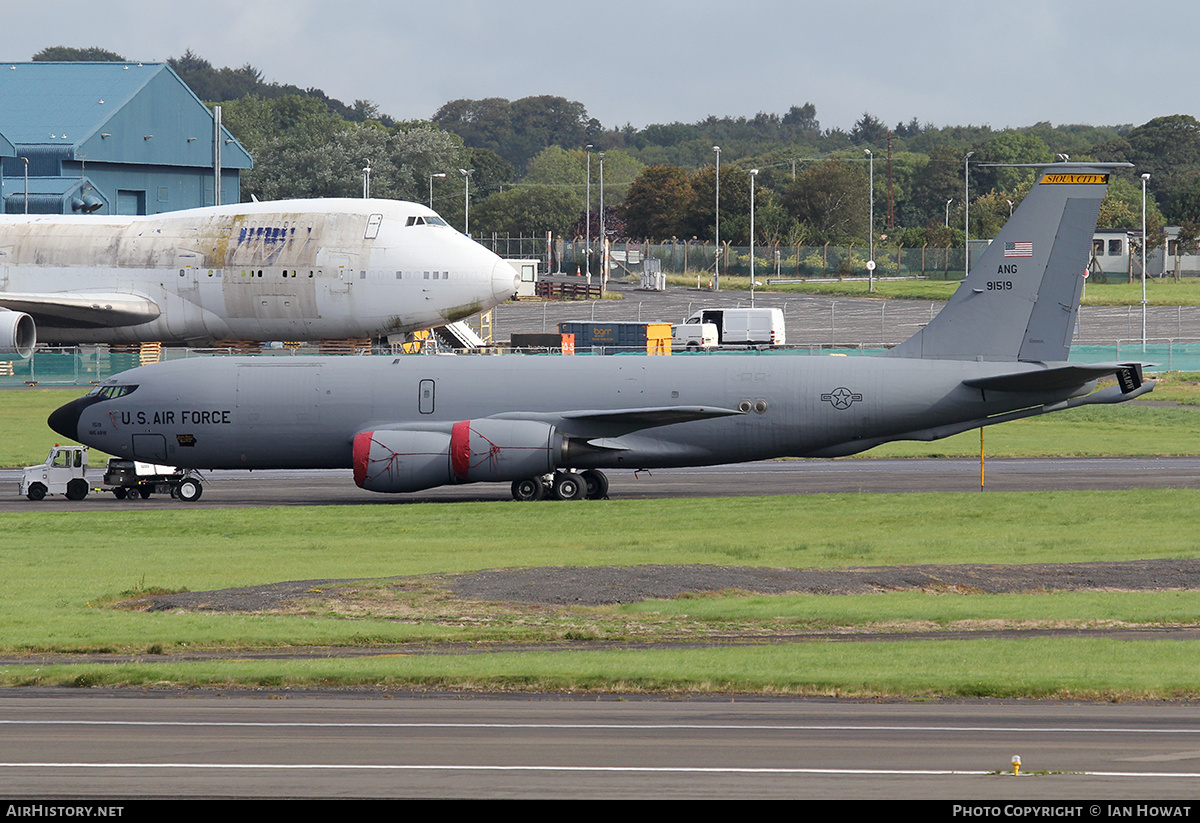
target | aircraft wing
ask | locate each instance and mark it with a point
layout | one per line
(84, 310)
(1061, 376)
(616, 422)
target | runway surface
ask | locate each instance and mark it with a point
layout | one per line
(234, 489)
(94, 745)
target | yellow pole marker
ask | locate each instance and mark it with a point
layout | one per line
(981, 458)
(1016, 761)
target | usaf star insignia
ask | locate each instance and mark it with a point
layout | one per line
(841, 397)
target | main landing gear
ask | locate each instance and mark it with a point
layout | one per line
(563, 485)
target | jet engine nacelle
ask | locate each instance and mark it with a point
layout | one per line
(473, 451)
(18, 335)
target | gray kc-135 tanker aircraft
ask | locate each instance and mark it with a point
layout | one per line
(549, 425)
(287, 270)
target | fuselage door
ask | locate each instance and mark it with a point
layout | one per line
(187, 264)
(425, 397)
(150, 448)
(373, 224)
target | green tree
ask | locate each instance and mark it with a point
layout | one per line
(484, 124)
(297, 120)
(287, 168)
(1121, 208)
(492, 172)
(1007, 147)
(831, 199)
(417, 152)
(553, 166)
(700, 218)
(66, 54)
(1184, 203)
(869, 130)
(657, 203)
(989, 213)
(491, 175)
(516, 130)
(526, 211)
(318, 161)
(1166, 147)
(941, 179)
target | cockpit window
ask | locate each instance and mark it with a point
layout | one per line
(430, 220)
(110, 392)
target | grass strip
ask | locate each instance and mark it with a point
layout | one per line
(1077, 668)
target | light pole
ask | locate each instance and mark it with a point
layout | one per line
(871, 226)
(466, 173)
(439, 174)
(967, 214)
(948, 202)
(25, 160)
(1145, 177)
(753, 174)
(587, 232)
(603, 236)
(717, 228)
(367, 180)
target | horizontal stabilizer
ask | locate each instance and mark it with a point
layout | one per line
(87, 310)
(1061, 376)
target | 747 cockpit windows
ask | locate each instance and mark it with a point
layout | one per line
(423, 220)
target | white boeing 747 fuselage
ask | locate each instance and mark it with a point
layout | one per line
(290, 270)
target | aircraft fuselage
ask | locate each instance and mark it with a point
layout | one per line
(306, 412)
(289, 270)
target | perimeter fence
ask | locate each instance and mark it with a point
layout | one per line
(771, 261)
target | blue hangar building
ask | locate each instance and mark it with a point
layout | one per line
(110, 138)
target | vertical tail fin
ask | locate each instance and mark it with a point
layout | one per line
(1021, 299)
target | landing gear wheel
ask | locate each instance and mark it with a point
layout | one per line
(530, 488)
(77, 489)
(120, 492)
(37, 491)
(144, 491)
(188, 490)
(568, 486)
(595, 484)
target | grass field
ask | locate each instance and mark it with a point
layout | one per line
(65, 573)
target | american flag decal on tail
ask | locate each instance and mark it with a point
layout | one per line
(1018, 249)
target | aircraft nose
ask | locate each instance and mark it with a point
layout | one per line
(504, 281)
(65, 419)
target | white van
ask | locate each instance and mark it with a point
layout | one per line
(744, 327)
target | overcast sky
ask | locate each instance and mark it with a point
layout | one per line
(1000, 63)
